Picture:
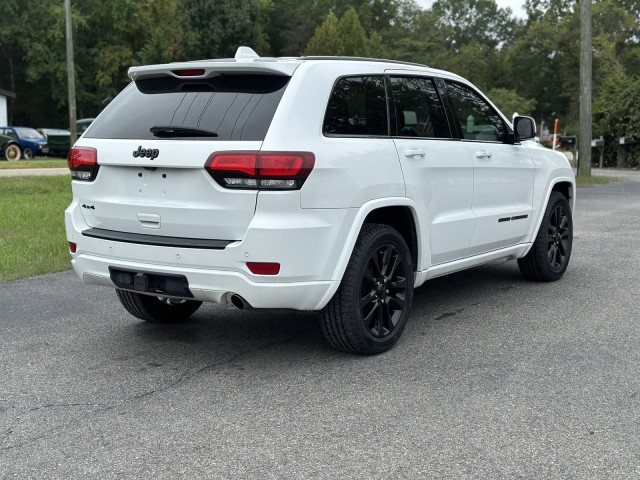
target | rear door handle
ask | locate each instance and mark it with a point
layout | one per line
(149, 220)
(483, 154)
(414, 152)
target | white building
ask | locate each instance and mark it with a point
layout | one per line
(4, 95)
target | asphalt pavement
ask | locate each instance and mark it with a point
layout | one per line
(494, 377)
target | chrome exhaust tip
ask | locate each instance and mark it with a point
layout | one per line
(238, 302)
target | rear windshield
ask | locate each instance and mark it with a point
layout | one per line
(235, 107)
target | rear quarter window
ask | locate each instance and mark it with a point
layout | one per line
(236, 107)
(357, 107)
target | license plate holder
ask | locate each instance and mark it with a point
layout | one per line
(151, 282)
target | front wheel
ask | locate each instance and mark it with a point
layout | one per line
(27, 153)
(157, 309)
(549, 256)
(370, 309)
(12, 152)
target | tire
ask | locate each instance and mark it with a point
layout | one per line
(12, 152)
(27, 153)
(371, 307)
(549, 256)
(157, 309)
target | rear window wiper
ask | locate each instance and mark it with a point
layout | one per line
(170, 131)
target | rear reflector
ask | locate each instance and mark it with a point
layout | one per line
(264, 268)
(73, 247)
(261, 170)
(83, 163)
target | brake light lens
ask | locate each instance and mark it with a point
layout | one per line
(192, 72)
(83, 163)
(261, 170)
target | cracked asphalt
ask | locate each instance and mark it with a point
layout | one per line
(494, 377)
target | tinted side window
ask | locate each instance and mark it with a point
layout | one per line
(236, 107)
(419, 111)
(477, 119)
(358, 106)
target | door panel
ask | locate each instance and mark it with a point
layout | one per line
(440, 182)
(503, 195)
(437, 169)
(503, 172)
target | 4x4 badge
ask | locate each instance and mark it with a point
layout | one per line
(146, 152)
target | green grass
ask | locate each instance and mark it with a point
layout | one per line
(594, 180)
(35, 163)
(32, 234)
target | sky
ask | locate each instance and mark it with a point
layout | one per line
(517, 6)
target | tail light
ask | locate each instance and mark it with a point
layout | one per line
(261, 170)
(83, 163)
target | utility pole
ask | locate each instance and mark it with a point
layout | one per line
(71, 79)
(584, 148)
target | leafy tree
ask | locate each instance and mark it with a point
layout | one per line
(544, 61)
(352, 35)
(375, 45)
(326, 40)
(290, 25)
(509, 102)
(617, 111)
(262, 43)
(474, 21)
(161, 45)
(216, 29)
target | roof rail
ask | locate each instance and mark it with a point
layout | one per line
(361, 59)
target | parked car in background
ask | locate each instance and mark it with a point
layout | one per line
(58, 140)
(83, 124)
(9, 148)
(31, 141)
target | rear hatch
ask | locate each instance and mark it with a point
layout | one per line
(153, 140)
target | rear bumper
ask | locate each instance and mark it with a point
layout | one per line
(214, 286)
(308, 245)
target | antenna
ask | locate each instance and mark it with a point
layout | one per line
(246, 53)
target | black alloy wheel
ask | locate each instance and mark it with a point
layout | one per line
(383, 291)
(550, 253)
(558, 237)
(371, 307)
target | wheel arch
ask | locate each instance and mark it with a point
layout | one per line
(402, 219)
(397, 212)
(565, 186)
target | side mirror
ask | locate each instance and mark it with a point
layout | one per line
(524, 128)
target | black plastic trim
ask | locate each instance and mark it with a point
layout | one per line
(157, 240)
(155, 283)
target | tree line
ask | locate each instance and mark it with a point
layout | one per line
(528, 65)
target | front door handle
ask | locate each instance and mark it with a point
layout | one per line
(414, 152)
(483, 154)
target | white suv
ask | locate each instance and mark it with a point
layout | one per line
(313, 183)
